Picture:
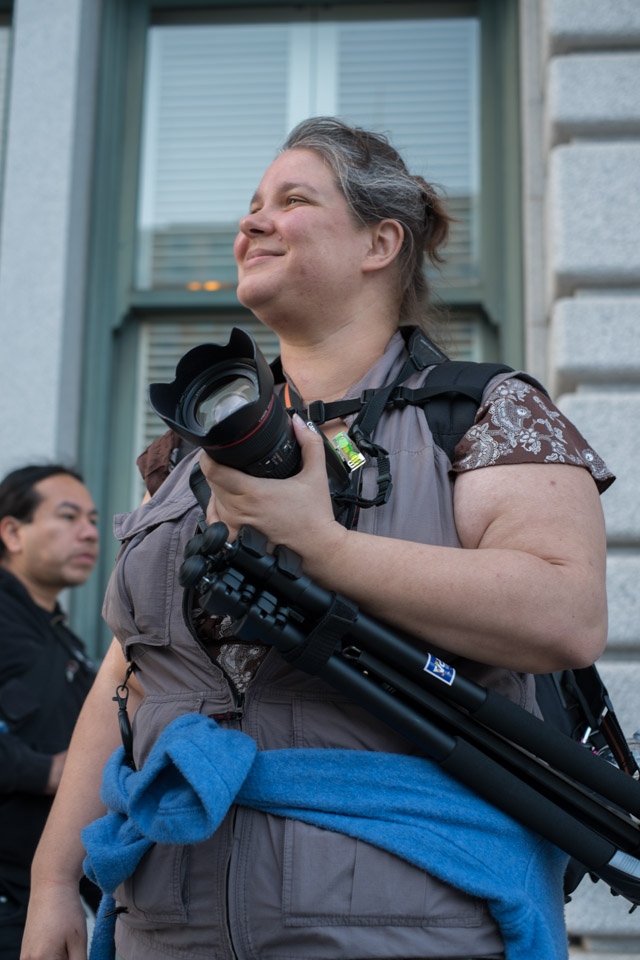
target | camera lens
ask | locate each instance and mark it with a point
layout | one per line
(224, 401)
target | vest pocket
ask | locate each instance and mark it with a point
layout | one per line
(330, 878)
(333, 879)
(136, 646)
(158, 890)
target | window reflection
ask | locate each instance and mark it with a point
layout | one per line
(220, 99)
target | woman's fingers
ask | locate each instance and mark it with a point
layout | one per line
(278, 508)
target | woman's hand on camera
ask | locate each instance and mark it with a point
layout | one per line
(296, 512)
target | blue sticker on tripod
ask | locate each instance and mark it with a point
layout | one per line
(440, 670)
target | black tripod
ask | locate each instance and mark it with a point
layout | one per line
(549, 782)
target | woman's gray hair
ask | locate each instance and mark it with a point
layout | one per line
(377, 186)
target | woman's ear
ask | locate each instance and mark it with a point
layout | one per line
(386, 241)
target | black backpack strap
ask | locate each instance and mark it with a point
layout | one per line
(455, 390)
(202, 492)
(422, 353)
(199, 487)
(450, 398)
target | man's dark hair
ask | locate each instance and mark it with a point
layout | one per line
(19, 499)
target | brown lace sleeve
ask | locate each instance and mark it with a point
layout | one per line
(518, 423)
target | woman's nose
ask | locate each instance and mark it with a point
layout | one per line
(255, 223)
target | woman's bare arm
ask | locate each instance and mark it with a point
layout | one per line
(56, 927)
(527, 592)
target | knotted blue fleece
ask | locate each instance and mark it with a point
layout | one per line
(406, 805)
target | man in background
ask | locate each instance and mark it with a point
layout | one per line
(48, 542)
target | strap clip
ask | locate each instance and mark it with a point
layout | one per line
(126, 733)
(401, 396)
(316, 411)
(368, 394)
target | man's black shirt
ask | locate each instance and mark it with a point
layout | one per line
(44, 678)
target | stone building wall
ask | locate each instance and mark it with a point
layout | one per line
(590, 71)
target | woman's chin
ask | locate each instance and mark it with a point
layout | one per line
(255, 296)
(263, 304)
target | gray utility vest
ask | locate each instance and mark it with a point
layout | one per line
(266, 888)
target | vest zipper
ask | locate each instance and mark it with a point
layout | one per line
(236, 715)
(228, 884)
(237, 697)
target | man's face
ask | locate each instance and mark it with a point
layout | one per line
(58, 547)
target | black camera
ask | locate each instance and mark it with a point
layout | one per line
(223, 400)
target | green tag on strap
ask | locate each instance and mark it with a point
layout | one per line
(348, 450)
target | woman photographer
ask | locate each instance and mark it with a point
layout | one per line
(497, 559)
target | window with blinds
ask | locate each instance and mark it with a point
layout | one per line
(220, 98)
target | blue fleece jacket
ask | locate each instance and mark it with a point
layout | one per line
(196, 770)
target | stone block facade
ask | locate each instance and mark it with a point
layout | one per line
(571, 25)
(593, 226)
(593, 93)
(591, 158)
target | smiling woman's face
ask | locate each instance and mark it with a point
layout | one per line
(299, 248)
